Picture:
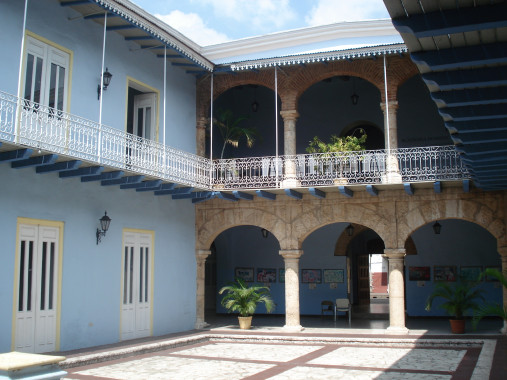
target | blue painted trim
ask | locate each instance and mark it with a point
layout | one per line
(180, 64)
(227, 196)
(452, 21)
(437, 186)
(170, 55)
(293, 193)
(243, 195)
(164, 186)
(47, 159)
(59, 166)
(408, 188)
(346, 191)
(461, 57)
(15, 155)
(123, 180)
(466, 186)
(193, 195)
(146, 184)
(103, 176)
(466, 78)
(178, 190)
(139, 38)
(199, 200)
(90, 170)
(265, 194)
(120, 27)
(317, 192)
(100, 16)
(76, 2)
(372, 190)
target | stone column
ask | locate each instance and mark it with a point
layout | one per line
(392, 168)
(200, 258)
(200, 136)
(289, 145)
(503, 254)
(291, 258)
(396, 258)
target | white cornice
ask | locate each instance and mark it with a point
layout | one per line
(303, 36)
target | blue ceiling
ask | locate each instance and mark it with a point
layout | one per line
(460, 48)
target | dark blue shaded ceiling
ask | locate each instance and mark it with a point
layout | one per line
(460, 48)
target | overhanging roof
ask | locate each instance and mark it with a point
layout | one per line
(140, 27)
(460, 48)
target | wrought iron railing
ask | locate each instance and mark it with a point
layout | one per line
(31, 124)
(328, 169)
(55, 131)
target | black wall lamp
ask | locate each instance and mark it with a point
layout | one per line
(264, 232)
(105, 82)
(104, 225)
(437, 227)
(350, 229)
(255, 104)
(354, 97)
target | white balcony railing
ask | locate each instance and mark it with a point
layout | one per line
(58, 132)
(62, 133)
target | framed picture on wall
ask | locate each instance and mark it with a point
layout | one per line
(419, 274)
(492, 279)
(247, 274)
(470, 273)
(311, 276)
(281, 274)
(266, 275)
(444, 273)
(333, 275)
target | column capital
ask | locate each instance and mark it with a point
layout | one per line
(393, 105)
(202, 254)
(394, 253)
(291, 253)
(289, 115)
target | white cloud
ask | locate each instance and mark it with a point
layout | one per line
(330, 11)
(193, 27)
(261, 15)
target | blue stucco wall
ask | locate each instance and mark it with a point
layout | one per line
(60, 25)
(91, 282)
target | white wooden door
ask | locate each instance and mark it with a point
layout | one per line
(36, 289)
(136, 297)
(144, 115)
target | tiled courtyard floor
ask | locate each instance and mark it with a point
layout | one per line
(267, 353)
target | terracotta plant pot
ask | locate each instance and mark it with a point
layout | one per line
(457, 326)
(245, 322)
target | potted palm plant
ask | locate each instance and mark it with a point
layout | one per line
(493, 309)
(337, 153)
(459, 297)
(243, 299)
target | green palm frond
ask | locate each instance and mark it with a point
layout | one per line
(243, 299)
(491, 309)
(231, 130)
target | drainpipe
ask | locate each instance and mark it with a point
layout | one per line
(211, 135)
(165, 88)
(20, 94)
(101, 90)
(276, 124)
(386, 127)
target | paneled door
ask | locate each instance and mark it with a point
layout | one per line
(37, 287)
(136, 285)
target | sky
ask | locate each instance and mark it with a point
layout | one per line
(209, 22)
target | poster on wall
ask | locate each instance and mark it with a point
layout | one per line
(444, 273)
(333, 275)
(470, 273)
(247, 274)
(281, 274)
(311, 276)
(266, 275)
(419, 274)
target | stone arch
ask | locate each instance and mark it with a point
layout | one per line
(344, 240)
(486, 213)
(223, 219)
